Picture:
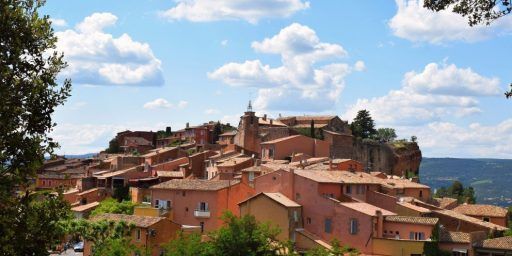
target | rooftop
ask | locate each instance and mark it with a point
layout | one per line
(454, 237)
(139, 221)
(481, 210)
(444, 202)
(281, 139)
(338, 177)
(504, 243)
(204, 185)
(460, 216)
(229, 133)
(367, 209)
(413, 220)
(85, 207)
(170, 174)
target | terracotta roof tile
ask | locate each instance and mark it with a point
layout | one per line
(454, 237)
(338, 177)
(282, 139)
(85, 207)
(282, 199)
(481, 210)
(460, 216)
(204, 185)
(413, 220)
(504, 243)
(367, 209)
(139, 221)
(444, 202)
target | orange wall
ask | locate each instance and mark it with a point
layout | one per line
(404, 229)
(298, 144)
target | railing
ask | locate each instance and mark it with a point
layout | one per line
(202, 213)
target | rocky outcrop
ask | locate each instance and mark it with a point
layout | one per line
(397, 158)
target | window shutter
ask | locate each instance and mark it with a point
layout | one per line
(411, 235)
(206, 206)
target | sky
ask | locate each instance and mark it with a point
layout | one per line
(145, 65)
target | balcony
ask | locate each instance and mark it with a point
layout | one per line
(202, 213)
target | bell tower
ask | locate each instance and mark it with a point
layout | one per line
(248, 131)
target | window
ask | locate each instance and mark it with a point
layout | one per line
(203, 207)
(328, 226)
(297, 196)
(417, 236)
(184, 193)
(308, 220)
(137, 234)
(295, 216)
(270, 153)
(486, 219)
(353, 226)
(162, 204)
(421, 193)
(348, 189)
(202, 226)
(251, 176)
(157, 203)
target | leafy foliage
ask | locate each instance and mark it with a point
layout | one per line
(29, 94)
(508, 94)
(363, 125)
(457, 191)
(337, 250)
(187, 245)
(111, 205)
(386, 134)
(217, 130)
(477, 11)
(113, 146)
(122, 193)
(107, 237)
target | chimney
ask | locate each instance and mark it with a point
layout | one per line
(187, 125)
(265, 117)
(380, 223)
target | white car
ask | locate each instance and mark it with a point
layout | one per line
(79, 247)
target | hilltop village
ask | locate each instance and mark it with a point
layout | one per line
(308, 175)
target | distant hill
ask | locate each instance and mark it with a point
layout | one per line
(491, 178)
(81, 156)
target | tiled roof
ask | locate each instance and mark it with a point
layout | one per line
(89, 191)
(481, 210)
(85, 207)
(460, 216)
(282, 199)
(267, 122)
(205, 185)
(155, 152)
(414, 207)
(504, 243)
(338, 177)
(413, 220)
(234, 161)
(229, 133)
(170, 174)
(402, 183)
(303, 118)
(444, 202)
(139, 221)
(453, 237)
(367, 209)
(281, 139)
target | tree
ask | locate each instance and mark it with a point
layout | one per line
(386, 134)
(187, 245)
(363, 125)
(243, 236)
(29, 94)
(414, 139)
(111, 205)
(456, 190)
(107, 237)
(508, 94)
(477, 11)
(113, 146)
(217, 131)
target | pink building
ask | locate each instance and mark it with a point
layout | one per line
(200, 202)
(284, 148)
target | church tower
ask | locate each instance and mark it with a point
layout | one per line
(248, 132)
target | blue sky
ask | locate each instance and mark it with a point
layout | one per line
(151, 64)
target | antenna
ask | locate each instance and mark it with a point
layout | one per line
(249, 107)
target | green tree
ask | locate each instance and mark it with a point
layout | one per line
(29, 94)
(244, 236)
(414, 139)
(187, 245)
(363, 125)
(386, 134)
(113, 146)
(476, 11)
(111, 205)
(458, 191)
(217, 131)
(107, 237)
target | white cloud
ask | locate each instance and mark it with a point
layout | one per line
(182, 104)
(300, 83)
(418, 24)
(248, 10)
(360, 66)
(98, 58)
(427, 96)
(212, 111)
(474, 140)
(161, 103)
(224, 42)
(59, 22)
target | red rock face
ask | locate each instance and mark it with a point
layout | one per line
(407, 160)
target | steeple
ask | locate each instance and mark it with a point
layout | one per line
(249, 107)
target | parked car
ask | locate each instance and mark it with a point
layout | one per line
(79, 247)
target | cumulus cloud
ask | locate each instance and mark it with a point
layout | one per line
(437, 91)
(212, 111)
(474, 140)
(98, 58)
(59, 22)
(360, 66)
(415, 23)
(164, 104)
(248, 10)
(300, 83)
(224, 42)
